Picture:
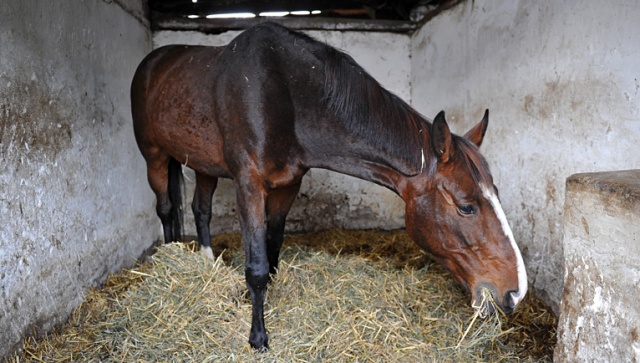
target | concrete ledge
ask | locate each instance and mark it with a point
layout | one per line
(600, 313)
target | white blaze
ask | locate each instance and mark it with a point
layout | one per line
(522, 272)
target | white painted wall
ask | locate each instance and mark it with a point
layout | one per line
(562, 81)
(326, 199)
(74, 202)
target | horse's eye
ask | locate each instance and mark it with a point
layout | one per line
(467, 209)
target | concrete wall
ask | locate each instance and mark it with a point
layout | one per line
(562, 81)
(74, 200)
(326, 199)
(600, 314)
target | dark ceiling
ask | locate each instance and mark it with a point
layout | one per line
(394, 15)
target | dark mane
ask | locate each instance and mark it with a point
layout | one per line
(475, 163)
(369, 111)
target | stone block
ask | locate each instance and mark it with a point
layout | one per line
(600, 314)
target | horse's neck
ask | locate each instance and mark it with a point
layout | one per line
(347, 155)
(366, 170)
(387, 172)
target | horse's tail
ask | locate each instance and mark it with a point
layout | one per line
(176, 189)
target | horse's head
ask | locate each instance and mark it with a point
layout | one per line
(453, 211)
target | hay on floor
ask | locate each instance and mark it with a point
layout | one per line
(359, 306)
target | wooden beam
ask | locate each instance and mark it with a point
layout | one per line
(205, 7)
(165, 22)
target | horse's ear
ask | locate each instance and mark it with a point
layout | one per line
(476, 134)
(441, 138)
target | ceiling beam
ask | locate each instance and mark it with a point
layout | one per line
(168, 22)
(207, 7)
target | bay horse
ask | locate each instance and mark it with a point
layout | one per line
(273, 104)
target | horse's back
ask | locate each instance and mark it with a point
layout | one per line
(254, 98)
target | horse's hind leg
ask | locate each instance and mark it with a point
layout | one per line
(279, 202)
(158, 177)
(201, 206)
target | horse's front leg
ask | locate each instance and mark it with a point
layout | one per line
(279, 202)
(250, 198)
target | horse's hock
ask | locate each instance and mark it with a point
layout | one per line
(600, 312)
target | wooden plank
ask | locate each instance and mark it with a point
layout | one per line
(164, 22)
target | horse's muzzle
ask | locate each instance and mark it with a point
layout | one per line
(489, 302)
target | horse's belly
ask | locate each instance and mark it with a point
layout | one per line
(211, 164)
(201, 150)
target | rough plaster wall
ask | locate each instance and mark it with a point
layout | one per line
(73, 195)
(326, 199)
(562, 82)
(600, 314)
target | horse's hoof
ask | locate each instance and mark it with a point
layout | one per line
(261, 350)
(207, 252)
(260, 344)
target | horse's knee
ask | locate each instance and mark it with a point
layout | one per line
(257, 279)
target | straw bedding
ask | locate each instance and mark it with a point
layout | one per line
(339, 296)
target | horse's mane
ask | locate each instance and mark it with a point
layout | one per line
(365, 109)
(369, 111)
